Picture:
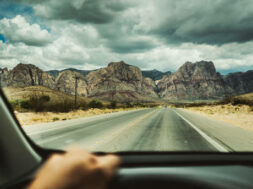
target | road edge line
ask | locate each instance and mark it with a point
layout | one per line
(204, 135)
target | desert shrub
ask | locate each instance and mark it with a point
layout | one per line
(19, 105)
(44, 98)
(24, 104)
(226, 100)
(83, 105)
(113, 104)
(36, 102)
(139, 104)
(41, 103)
(193, 104)
(95, 104)
(14, 104)
(55, 119)
(129, 105)
(235, 101)
(241, 101)
(62, 106)
(66, 105)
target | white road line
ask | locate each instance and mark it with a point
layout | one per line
(204, 135)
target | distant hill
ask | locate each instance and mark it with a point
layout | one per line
(17, 93)
(55, 73)
(154, 74)
(123, 82)
(200, 80)
(248, 96)
(240, 82)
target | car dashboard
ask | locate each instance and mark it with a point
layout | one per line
(209, 171)
(178, 170)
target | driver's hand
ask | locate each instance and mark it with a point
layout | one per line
(76, 169)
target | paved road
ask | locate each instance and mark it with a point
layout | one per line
(158, 129)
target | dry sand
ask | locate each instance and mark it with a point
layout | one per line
(239, 115)
(30, 118)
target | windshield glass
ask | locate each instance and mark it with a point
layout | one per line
(130, 75)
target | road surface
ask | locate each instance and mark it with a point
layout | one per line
(157, 129)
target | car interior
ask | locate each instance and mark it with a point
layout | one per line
(21, 158)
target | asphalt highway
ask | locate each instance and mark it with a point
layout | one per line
(157, 129)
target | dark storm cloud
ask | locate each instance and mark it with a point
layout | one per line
(175, 22)
(205, 21)
(128, 46)
(119, 37)
(84, 11)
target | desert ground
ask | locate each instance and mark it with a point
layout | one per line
(240, 115)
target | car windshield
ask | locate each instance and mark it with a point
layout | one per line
(113, 76)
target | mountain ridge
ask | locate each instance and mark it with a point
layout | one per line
(124, 82)
(153, 74)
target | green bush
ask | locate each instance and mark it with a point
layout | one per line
(63, 106)
(56, 119)
(24, 104)
(36, 103)
(42, 103)
(226, 100)
(113, 104)
(95, 104)
(83, 105)
(14, 103)
(129, 105)
(45, 98)
(241, 101)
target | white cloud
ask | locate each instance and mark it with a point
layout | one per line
(17, 29)
(89, 46)
(68, 49)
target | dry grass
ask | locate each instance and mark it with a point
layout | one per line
(30, 118)
(239, 115)
(59, 107)
(248, 96)
(17, 93)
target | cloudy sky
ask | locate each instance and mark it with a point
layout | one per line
(151, 34)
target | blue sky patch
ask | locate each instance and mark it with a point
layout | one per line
(10, 9)
(2, 38)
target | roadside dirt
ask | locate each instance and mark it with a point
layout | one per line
(239, 115)
(30, 118)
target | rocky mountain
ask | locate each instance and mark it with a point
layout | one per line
(55, 73)
(154, 74)
(123, 82)
(3, 76)
(193, 81)
(240, 82)
(27, 75)
(65, 82)
(120, 81)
